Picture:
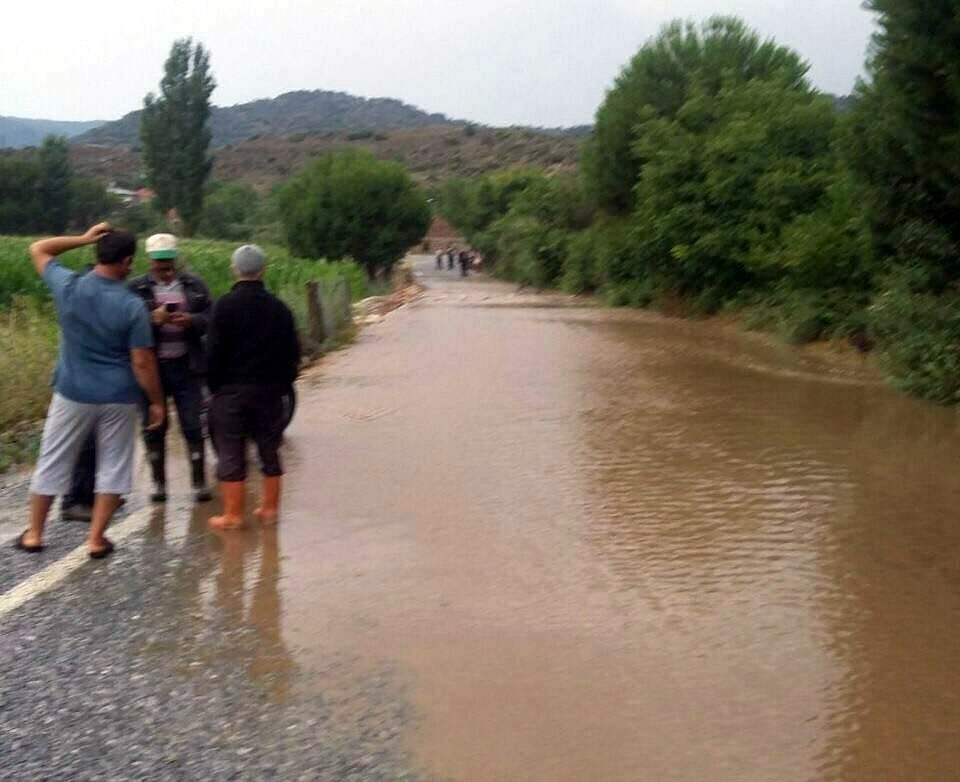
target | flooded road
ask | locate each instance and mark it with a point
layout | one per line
(529, 539)
(600, 545)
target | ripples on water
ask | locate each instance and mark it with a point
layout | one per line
(793, 526)
(628, 548)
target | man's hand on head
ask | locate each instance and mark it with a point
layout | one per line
(94, 233)
(44, 251)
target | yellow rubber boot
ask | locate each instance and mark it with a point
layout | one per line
(269, 510)
(234, 497)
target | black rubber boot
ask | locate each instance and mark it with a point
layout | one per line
(157, 454)
(198, 474)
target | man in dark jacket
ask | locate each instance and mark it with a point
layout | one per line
(179, 305)
(253, 361)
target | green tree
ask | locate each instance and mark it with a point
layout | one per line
(722, 180)
(230, 211)
(20, 206)
(90, 202)
(351, 204)
(683, 59)
(55, 184)
(904, 140)
(174, 133)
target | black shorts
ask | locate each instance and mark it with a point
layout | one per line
(242, 413)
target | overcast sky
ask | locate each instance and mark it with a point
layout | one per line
(538, 62)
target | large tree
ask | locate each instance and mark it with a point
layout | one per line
(683, 59)
(174, 132)
(20, 207)
(349, 204)
(904, 143)
(55, 184)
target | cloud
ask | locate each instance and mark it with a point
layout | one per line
(537, 62)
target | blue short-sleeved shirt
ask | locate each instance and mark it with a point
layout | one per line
(100, 322)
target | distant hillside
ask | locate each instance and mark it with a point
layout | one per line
(303, 111)
(432, 154)
(19, 132)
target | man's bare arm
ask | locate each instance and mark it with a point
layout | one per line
(45, 250)
(145, 369)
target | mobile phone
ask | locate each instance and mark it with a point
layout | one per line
(171, 306)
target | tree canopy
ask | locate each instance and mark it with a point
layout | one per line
(175, 135)
(683, 60)
(904, 140)
(349, 204)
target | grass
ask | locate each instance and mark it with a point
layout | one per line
(29, 332)
(286, 275)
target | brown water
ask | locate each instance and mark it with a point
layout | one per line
(601, 545)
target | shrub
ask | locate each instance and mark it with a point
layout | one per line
(229, 212)
(530, 252)
(919, 334)
(349, 204)
(28, 333)
(580, 264)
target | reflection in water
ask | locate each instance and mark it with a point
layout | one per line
(214, 609)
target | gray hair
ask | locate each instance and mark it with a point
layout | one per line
(248, 260)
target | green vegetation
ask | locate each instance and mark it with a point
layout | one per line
(210, 259)
(230, 211)
(349, 204)
(28, 333)
(718, 177)
(40, 192)
(28, 328)
(175, 136)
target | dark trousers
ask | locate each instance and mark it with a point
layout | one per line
(84, 476)
(247, 412)
(180, 383)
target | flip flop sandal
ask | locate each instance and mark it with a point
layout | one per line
(19, 544)
(104, 552)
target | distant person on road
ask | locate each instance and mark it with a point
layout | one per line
(179, 306)
(464, 263)
(440, 260)
(451, 256)
(254, 359)
(106, 362)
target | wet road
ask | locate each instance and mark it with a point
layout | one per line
(526, 539)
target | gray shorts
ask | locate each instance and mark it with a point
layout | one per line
(68, 426)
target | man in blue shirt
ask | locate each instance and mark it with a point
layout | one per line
(106, 358)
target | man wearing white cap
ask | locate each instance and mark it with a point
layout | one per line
(179, 305)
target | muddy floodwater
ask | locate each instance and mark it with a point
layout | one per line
(586, 544)
(603, 545)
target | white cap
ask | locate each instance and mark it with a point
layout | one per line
(162, 247)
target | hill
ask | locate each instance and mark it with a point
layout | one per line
(19, 132)
(303, 111)
(432, 154)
